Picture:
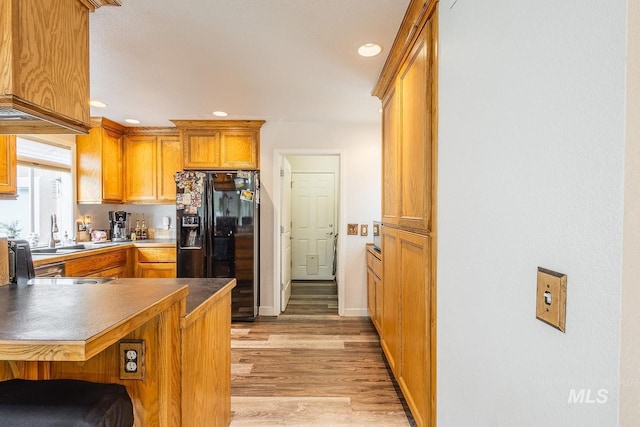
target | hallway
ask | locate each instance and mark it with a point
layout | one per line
(315, 298)
(311, 369)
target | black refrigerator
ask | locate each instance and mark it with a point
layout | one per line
(217, 220)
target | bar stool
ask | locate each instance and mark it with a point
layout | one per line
(40, 403)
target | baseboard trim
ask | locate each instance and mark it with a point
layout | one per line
(267, 311)
(356, 312)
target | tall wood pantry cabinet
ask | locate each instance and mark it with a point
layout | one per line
(407, 88)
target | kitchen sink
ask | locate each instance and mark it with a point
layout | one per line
(60, 249)
(49, 251)
(69, 280)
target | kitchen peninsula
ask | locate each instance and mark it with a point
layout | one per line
(74, 331)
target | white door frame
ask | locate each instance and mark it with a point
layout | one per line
(277, 202)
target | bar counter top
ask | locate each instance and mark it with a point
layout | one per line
(76, 322)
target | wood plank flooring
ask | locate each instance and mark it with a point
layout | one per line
(318, 369)
(313, 298)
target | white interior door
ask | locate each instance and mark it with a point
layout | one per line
(285, 235)
(313, 218)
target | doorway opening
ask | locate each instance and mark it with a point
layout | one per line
(307, 220)
(312, 298)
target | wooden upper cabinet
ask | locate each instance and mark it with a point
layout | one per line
(407, 146)
(8, 177)
(201, 149)
(415, 163)
(239, 150)
(169, 162)
(44, 65)
(152, 157)
(391, 152)
(141, 168)
(220, 144)
(99, 163)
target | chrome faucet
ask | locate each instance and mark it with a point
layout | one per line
(54, 229)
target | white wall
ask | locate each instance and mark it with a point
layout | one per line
(531, 150)
(630, 331)
(360, 149)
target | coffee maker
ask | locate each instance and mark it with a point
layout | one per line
(119, 225)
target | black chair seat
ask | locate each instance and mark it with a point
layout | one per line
(64, 403)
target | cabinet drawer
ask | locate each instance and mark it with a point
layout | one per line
(375, 264)
(156, 254)
(92, 265)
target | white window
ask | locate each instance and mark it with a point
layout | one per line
(44, 188)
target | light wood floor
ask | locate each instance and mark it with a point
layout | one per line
(318, 369)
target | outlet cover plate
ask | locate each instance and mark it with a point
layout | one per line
(125, 347)
(551, 298)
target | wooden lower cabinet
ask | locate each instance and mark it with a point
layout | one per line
(414, 379)
(155, 262)
(374, 286)
(390, 337)
(206, 364)
(108, 264)
(407, 318)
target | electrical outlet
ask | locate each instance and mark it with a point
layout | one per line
(364, 230)
(131, 354)
(551, 298)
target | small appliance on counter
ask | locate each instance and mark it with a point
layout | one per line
(20, 262)
(377, 235)
(119, 225)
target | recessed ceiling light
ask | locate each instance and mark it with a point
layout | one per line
(369, 49)
(96, 103)
(132, 121)
(220, 114)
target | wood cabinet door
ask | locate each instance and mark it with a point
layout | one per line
(371, 295)
(156, 270)
(8, 163)
(112, 170)
(391, 294)
(391, 152)
(415, 324)
(377, 282)
(416, 167)
(89, 166)
(201, 149)
(169, 162)
(238, 150)
(141, 161)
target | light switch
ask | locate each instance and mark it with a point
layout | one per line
(551, 298)
(364, 230)
(352, 229)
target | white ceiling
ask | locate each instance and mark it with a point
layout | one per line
(274, 60)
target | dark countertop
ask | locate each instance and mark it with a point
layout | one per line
(76, 322)
(97, 248)
(200, 290)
